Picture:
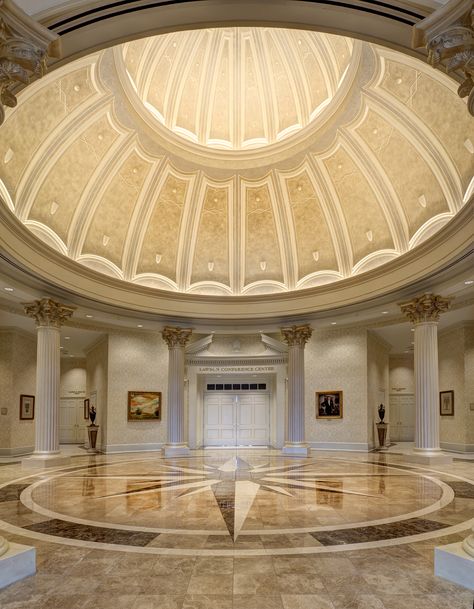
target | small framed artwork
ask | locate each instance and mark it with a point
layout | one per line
(86, 409)
(27, 407)
(329, 404)
(144, 406)
(446, 403)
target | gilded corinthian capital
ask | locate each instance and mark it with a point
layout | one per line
(448, 36)
(425, 308)
(297, 335)
(24, 48)
(48, 312)
(176, 337)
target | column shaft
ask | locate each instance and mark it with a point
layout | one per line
(176, 434)
(47, 391)
(295, 423)
(426, 387)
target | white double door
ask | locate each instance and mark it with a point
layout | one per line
(72, 425)
(402, 417)
(236, 419)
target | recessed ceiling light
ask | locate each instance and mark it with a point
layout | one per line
(139, 325)
(8, 289)
(413, 329)
(468, 282)
(61, 347)
(384, 312)
(333, 323)
(89, 315)
(67, 338)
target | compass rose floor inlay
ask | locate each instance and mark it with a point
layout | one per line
(249, 505)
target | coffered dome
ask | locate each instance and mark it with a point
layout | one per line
(237, 88)
(237, 161)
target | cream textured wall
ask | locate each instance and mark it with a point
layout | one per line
(377, 381)
(73, 377)
(401, 374)
(17, 376)
(136, 362)
(456, 371)
(96, 384)
(337, 360)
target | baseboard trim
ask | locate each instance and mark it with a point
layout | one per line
(18, 451)
(457, 448)
(363, 447)
(131, 448)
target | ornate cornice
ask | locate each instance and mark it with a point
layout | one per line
(448, 35)
(24, 48)
(176, 337)
(297, 335)
(425, 308)
(48, 312)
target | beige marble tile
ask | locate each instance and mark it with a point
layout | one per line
(252, 601)
(158, 601)
(207, 601)
(210, 584)
(306, 601)
(260, 584)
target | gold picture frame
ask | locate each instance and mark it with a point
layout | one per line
(144, 406)
(27, 407)
(329, 405)
(446, 403)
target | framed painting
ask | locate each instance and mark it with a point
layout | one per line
(86, 408)
(329, 404)
(27, 407)
(446, 403)
(144, 406)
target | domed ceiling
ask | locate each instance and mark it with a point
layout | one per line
(238, 160)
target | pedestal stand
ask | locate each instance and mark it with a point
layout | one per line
(92, 431)
(382, 433)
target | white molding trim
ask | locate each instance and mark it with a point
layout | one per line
(128, 448)
(456, 447)
(364, 447)
(16, 451)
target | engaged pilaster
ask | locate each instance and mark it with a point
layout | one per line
(424, 313)
(49, 316)
(296, 338)
(176, 339)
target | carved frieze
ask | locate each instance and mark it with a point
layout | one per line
(297, 335)
(425, 308)
(448, 35)
(176, 337)
(24, 47)
(48, 312)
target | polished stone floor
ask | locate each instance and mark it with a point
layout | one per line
(230, 529)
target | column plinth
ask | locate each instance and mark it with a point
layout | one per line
(296, 338)
(49, 316)
(176, 339)
(424, 313)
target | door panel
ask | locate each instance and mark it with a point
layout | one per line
(253, 419)
(219, 428)
(402, 418)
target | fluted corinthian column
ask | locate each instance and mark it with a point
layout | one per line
(176, 339)
(296, 337)
(424, 313)
(49, 316)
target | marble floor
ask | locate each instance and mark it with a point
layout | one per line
(237, 529)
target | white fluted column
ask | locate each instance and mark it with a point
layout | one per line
(176, 339)
(49, 316)
(296, 338)
(424, 313)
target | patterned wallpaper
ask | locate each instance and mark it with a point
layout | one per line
(96, 384)
(377, 381)
(337, 360)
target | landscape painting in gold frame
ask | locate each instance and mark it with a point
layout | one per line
(144, 406)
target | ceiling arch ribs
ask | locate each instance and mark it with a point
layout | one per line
(270, 110)
(388, 200)
(235, 259)
(246, 185)
(442, 160)
(327, 62)
(92, 195)
(207, 91)
(49, 153)
(147, 65)
(175, 93)
(425, 142)
(286, 231)
(301, 82)
(132, 249)
(283, 52)
(323, 186)
(187, 233)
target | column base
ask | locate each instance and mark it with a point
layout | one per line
(428, 457)
(176, 450)
(296, 450)
(45, 461)
(16, 563)
(453, 563)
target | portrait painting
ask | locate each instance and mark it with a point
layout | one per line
(329, 405)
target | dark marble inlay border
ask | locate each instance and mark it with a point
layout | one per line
(12, 492)
(380, 532)
(463, 490)
(72, 530)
